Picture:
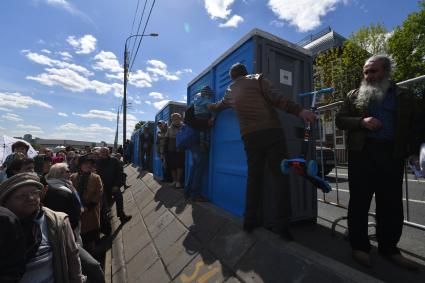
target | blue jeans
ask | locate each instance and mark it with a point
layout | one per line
(198, 171)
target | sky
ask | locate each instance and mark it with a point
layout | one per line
(61, 61)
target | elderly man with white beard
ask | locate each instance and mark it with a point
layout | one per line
(378, 119)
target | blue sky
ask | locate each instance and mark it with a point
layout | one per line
(61, 60)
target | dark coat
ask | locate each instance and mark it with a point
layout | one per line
(12, 247)
(58, 199)
(406, 137)
(111, 172)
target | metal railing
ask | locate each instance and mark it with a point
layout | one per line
(330, 111)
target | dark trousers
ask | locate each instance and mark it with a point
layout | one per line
(117, 197)
(266, 149)
(374, 170)
(91, 267)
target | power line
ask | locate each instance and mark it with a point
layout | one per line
(141, 38)
(138, 29)
(134, 18)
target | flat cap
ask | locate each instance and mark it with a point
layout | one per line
(17, 181)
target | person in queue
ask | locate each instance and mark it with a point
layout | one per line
(90, 190)
(51, 254)
(253, 98)
(62, 196)
(377, 118)
(175, 156)
(111, 173)
(161, 148)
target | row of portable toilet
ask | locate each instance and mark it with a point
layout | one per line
(289, 67)
(136, 139)
(165, 115)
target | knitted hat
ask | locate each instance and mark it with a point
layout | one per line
(17, 181)
(86, 158)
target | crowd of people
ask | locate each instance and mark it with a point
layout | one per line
(384, 126)
(54, 208)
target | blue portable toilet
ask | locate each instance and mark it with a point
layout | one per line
(289, 67)
(135, 139)
(164, 114)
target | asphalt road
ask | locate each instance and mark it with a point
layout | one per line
(416, 194)
(412, 238)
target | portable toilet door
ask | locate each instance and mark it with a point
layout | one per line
(157, 162)
(291, 73)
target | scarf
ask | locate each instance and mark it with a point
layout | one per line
(32, 233)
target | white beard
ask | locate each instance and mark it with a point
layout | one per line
(372, 92)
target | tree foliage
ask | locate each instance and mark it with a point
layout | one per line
(373, 38)
(139, 125)
(407, 46)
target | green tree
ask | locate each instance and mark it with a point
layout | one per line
(407, 46)
(139, 125)
(373, 38)
(342, 68)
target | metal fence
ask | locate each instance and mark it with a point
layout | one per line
(332, 138)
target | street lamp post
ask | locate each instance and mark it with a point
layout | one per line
(124, 112)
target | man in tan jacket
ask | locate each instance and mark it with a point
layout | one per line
(253, 98)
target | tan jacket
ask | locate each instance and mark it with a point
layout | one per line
(253, 105)
(66, 261)
(90, 219)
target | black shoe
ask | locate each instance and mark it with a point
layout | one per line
(249, 227)
(125, 218)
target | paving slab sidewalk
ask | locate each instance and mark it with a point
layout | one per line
(172, 240)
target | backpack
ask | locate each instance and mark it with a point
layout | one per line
(186, 137)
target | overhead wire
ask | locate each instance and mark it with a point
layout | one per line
(141, 38)
(138, 29)
(134, 18)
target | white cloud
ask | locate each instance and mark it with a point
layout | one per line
(83, 45)
(29, 127)
(46, 51)
(44, 60)
(106, 60)
(65, 5)
(140, 79)
(304, 14)
(158, 69)
(5, 109)
(99, 114)
(91, 129)
(12, 117)
(233, 22)
(277, 23)
(158, 105)
(70, 80)
(17, 100)
(65, 55)
(156, 95)
(61, 4)
(218, 8)
(106, 115)
(148, 102)
(62, 114)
